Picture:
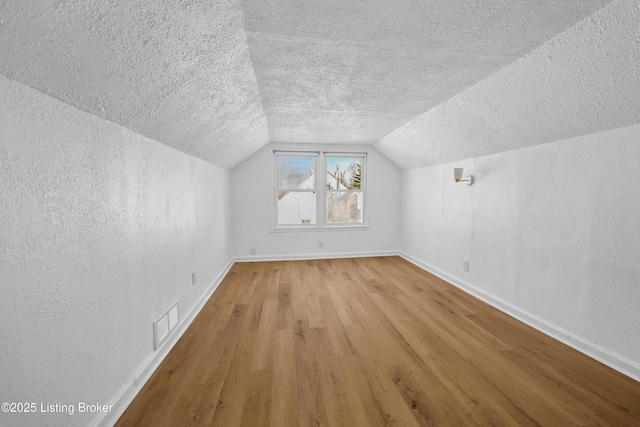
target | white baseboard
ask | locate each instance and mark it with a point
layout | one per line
(592, 350)
(126, 395)
(289, 257)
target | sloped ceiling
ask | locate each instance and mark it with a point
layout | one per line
(583, 81)
(220, 79)
(178, 72)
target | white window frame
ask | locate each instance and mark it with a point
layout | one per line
(277, 189)
(362, 190)
(320, 191)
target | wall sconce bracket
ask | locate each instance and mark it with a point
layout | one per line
(457, 176)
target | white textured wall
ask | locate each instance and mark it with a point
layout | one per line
(252, 209)
(100, 229)
(553, 230)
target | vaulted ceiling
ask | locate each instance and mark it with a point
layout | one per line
(219, 79)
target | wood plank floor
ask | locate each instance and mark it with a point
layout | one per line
(370, 342)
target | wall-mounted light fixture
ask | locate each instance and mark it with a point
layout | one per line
(457, 175)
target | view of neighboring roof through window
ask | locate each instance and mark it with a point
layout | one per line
(296, 181)
(344, 190)
(316, 190)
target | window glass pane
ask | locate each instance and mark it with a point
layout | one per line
(296, 172)
(344, 207)
(295, 208)
(345, 173)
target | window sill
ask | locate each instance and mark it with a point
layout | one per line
(346, 227)
(296, 228)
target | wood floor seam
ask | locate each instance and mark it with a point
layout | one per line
(370, 342)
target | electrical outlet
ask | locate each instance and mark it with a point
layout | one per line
(320, 245)
(253, 250)
(193, 278)
(466, 265)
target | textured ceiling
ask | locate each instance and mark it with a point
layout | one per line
(354, 71)
(176, 71)
(583, 81)
(219, 79)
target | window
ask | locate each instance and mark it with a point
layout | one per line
(315, 190)
(345, 192)
(296, 188)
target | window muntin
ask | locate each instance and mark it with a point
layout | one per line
(345, 189)
(316, 190)
(296, 189)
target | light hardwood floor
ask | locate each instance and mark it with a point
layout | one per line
(369, 342)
